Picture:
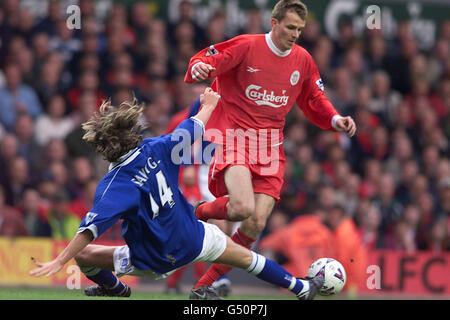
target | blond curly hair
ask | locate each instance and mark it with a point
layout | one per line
(113, 131)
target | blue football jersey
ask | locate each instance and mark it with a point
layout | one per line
(141, 188)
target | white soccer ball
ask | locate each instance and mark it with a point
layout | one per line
(333, 272)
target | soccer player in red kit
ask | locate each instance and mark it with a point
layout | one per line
(259, 78)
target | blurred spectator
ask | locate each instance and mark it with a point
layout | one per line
(215, 31)
(16, 97)
(368, 218)
(25, 60)
(379, 146)
(81, 172)
(140, 19)
(87, 8)
(84, 201)
(438, 239)
(53, 124)
(308, 186)
(41, 48)
(402, 151)
(444, 198)
(348, 246)
(186, 16)
(346, 36)
(54, 151)
(401, 238)
(88, 82)
(384, 100)
(303, 240)
(254, 25)
(9, 150)
(376, 53)
(408, 172)
(371, 174)
(35, 214)
(348, 196)
(24, 131)
(342, 90)
(11, 221)
(64, 41)
(75, 144)
(64, 224)
(323, 54)
(390, 208)
(49, 83)
(49, 22)
(18, 179)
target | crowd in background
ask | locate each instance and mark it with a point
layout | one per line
(392, 180)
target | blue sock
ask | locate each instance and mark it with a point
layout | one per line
(104, 278)
(270, 271)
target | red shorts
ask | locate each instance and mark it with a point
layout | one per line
(266, 171)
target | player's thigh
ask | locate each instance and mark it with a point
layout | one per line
(235, 255)
(96, 256)
(238, 181)
(263, 208)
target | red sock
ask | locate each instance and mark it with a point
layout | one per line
(216, 209)
(199, 270)
(218, 270)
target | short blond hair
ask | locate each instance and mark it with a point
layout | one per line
(283, 6)
(113, 131)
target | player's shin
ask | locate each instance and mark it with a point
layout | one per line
(104, 278)
(270, 271)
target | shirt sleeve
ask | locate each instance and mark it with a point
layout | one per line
(223, 56)
(195, 107)
(176, 145)
(112, 204)
(312, 101)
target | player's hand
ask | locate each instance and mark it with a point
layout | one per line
(201, 71)
(47, 268)
(209, 98)
(346, 124)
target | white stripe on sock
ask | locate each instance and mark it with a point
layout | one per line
(293, 282)
(115, 286)
(252, 265)
(257, 264)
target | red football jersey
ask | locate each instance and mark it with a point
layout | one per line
(259, 84)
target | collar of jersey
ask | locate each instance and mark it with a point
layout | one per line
(125, 159)
(274, 48)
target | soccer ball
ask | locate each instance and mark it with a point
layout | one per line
(333, 272)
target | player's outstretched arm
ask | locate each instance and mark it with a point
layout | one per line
(78, 243)
(208, 100)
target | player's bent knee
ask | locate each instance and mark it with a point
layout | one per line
(82, 257)
(255, 224)
(241, 210)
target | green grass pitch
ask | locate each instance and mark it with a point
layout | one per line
(66, 294)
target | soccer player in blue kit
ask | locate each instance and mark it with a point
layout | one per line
(159, 226)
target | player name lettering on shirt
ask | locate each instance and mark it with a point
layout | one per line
(263, 97)
(142, 176)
